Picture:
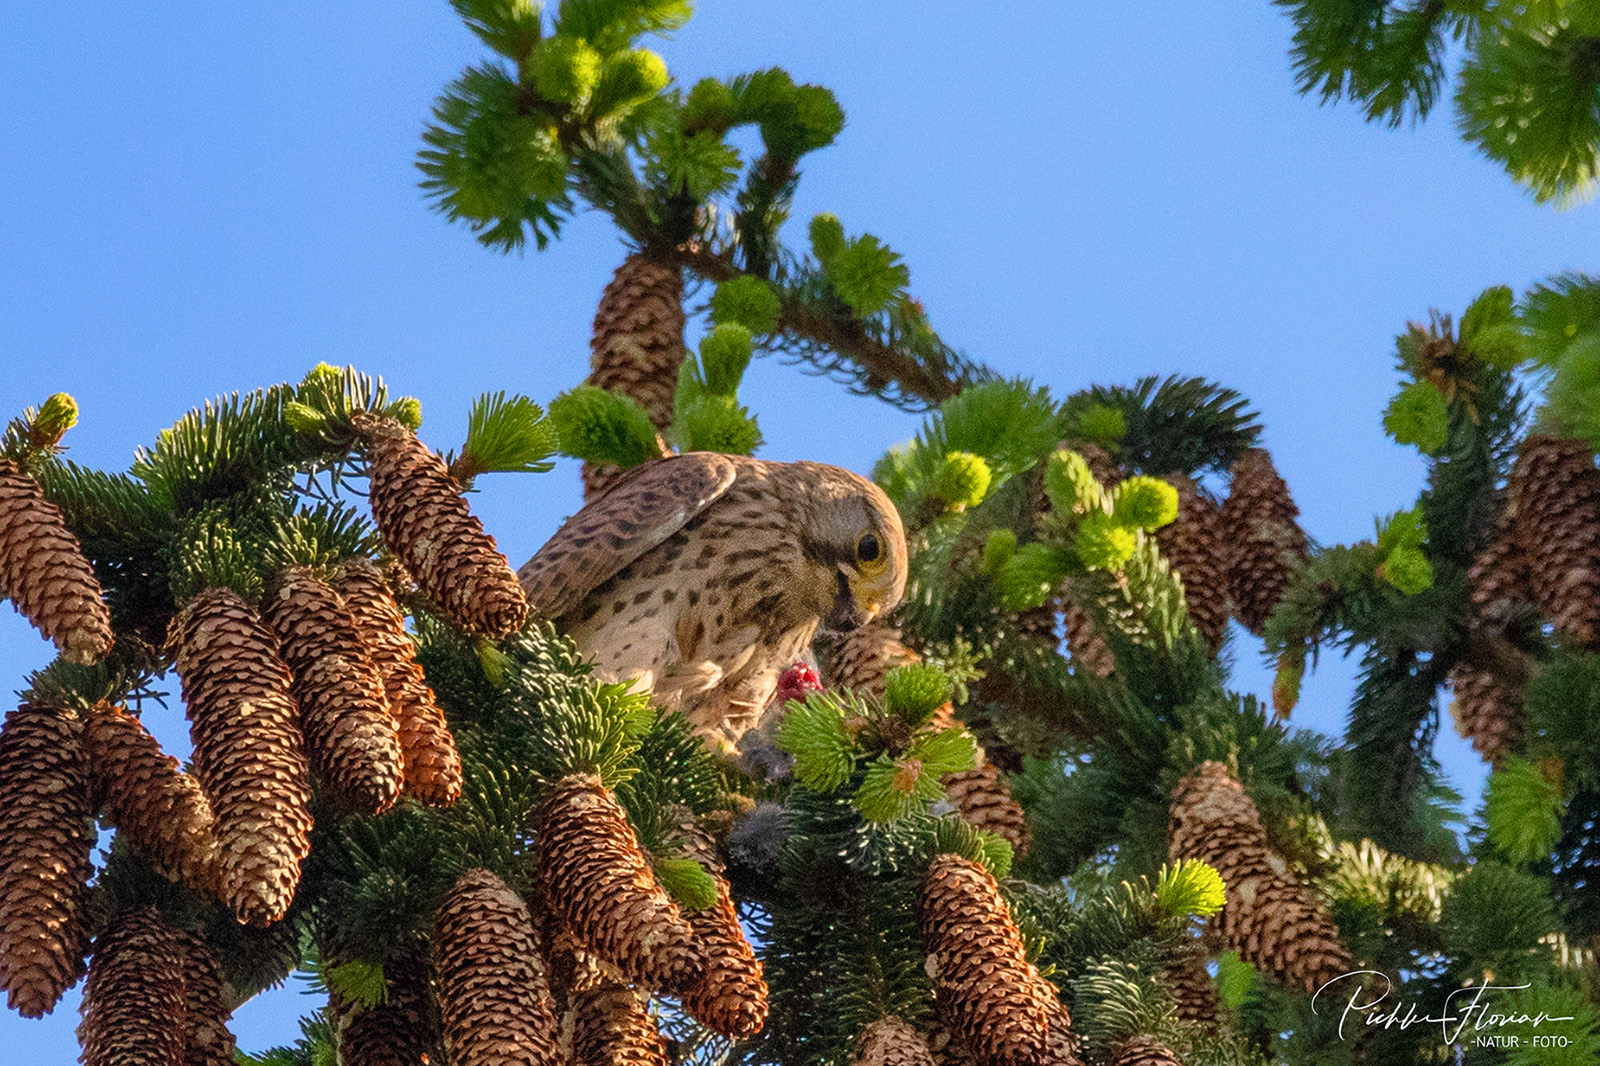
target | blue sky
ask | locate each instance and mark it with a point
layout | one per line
(203, 198)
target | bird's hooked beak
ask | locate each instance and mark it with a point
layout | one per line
(847, 614)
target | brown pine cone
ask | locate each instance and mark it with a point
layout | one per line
(1501, 576)
(1194, 545)
(1553, 499)
(1266, 544)
(206, 1038)
(493, 994)
(441, 543)
(863, 657)
(982, 797)
(891, 1042)
(985, 990)
(350, 736)
(637, 346)
(135, 1010)
(1085, 646)
(610, 1023)
(731, 996)
(247, 754)
(432, 764)
(157, 807)
(401, 1031)
(46, 837)
(598, 881)
(44, 573)
(1192, 988)
(1272, 920)
(1487, 711)
(1144, 1051)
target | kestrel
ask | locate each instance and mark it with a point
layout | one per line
(704, 575)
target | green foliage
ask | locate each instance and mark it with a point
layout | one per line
(1556, 312)
(827, 237)
(1069, 483)
(1171, 425)
(1144, 502)
(697, 165)
(566, 69)
(1387, 57)
(603, 427)
(358, 983)
(892, 788)
(1418, 416)
(612, 25)
(951, 835)
(510, 27)
(1563, 704)
(1099, 423)
(1103, 543)
(1407, 569)
(1527, 100)
(1490, 330)
(998, 549)
(724, 354)
(506, 435)
(1235, 977)
(488, 164)
(1031, 575)
(1190, 887)
(746, 301)
(628, 79)
(211, 554)
(1578, 1032)
(1117, 999)
(1010, 424)
(716, 424)
(963, 480)
(1523, 808)
(687, 882)
(1494, 919)
(914, 692)
(814, 732)
(866, 274)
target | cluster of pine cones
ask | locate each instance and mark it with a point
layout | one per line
(322, 680)
(608, 936)
(1234, 559)
(1544, 560)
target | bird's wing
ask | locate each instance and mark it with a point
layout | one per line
(652, 503)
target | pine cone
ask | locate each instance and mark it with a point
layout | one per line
(863, 657)
(982, 797)
(247, 753)
(985, 989)
(350, 735)
(134, 1005)
(156, 807)
(598, 881)
(891, 1042)
(432, 764)
(493, 994)
(1487, 711)
(1501, 575)
(44, 573)
(637, 346)
(1193, 544)
(46, 837)
(206, 1037)
(1086, 647)
(1192, 988)
(1272, 920)
(1553, 497)
(1144, 1051)
(424, 521)
(610, 1024)
(402, 1030)
(731, 996)
(1266, 543)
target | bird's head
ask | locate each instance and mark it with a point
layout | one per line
(854, 530)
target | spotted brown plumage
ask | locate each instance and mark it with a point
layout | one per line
(705, 575)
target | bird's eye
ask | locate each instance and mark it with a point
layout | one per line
(867, 548)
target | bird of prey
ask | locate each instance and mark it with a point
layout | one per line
(704, 575)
